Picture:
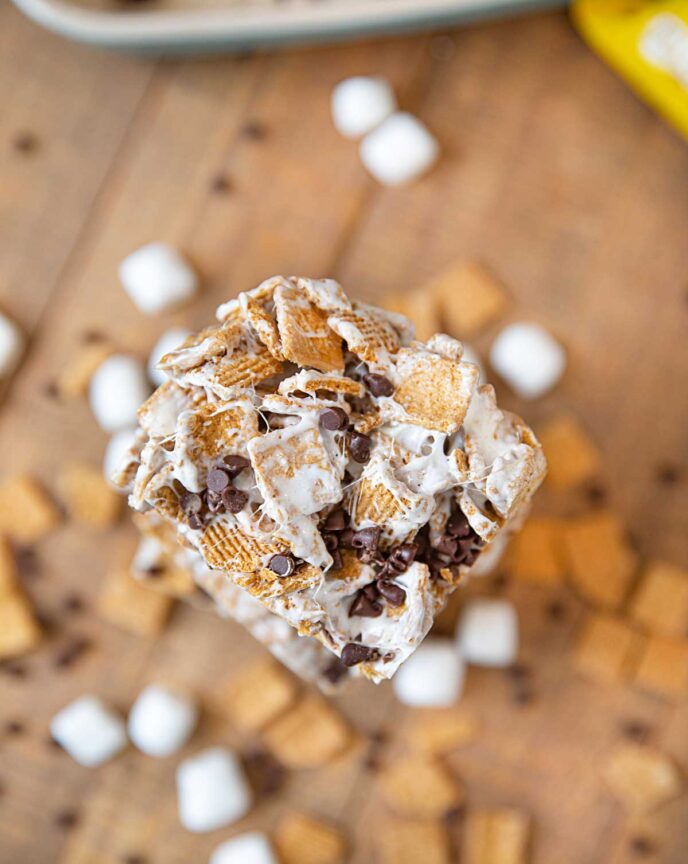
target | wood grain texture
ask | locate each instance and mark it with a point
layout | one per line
(552, 173)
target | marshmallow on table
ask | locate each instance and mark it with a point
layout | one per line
(156, 277)
(89, 731)
(116, 390)
(432, 677)
(487, 634)
(161, 721)
(212, 790)
(251, 848)
(528, 358)
(11, 346)
(360, 104)
(399, 150)
(116, 447)
(169, 340)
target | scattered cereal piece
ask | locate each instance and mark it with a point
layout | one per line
(250, 848)
(419, 309)
(88, 496)
(311, 733)
(361, 103)
(19, 630)
(663, 666)
(495, 837)
(535, 552)
(11, 346)
(117, 389)
(26, 512)
(258, 695)
(572, 458)
(301, 839)
(660, 603)
(419, 786)
(131, 606)
(401, 149)
(641, 777)
(89, 731)
(73, 379)
(608, 648)
(469, 297)
(600, 560)
(161, 720)
(439, 732)
(487, 633)
(169, 341)
(412, 842)
(304, 332)
(528, 358)
(212, 790)
(432, 677)
(157, 278)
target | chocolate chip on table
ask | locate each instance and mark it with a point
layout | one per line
(134, 858)
(14, 728)
(636, 730)
(265, 773)
(282, 565)
(221, 183)
(234, 500)
(14, 669)
(25, 142)
(668, 474)
(393, 594)
(359, 447)
(255, 130)
(236, 464)
(74, 603)
(66, 819)
(218, 480)
(335, 670)
(353, 654)
(71, 652)
(334, 419)
(378, 385)
(337, 520)
(642, 846)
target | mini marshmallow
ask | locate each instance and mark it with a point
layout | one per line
(11, 346)
(432, 677)
(156, 277)
(212, 790)
(160, 721)
(89, 731)
(116, 447)
(399, 150)
(251, 848)
(169, 340)
(487, 634)
(360, 104)
(529, 359)
(116, 390)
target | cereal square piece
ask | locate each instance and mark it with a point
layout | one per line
(8, 568)
(26, 512)
(641, 777)
(535, 552)
(225, 547)
(306, 337)
(263, 323)
(126, 603)
(572, 458)
(607, 649)
(419, 786)
(412, 841)
(310, 734)
(19, 631)
(600, 560)
(495, 837)
(74, 377)
(367, 332)
(88, 496)
(434, 392)
(259, 695)
(663, 666)
(301, 839)
(440, 731)
(470, 298)
(421, 310)
(660, 603)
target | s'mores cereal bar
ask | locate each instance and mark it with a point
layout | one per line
(324, 467)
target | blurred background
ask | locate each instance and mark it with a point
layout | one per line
(552, 175)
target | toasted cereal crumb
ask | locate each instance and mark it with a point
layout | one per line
(258, 695)
(641, 777)
(301, 839)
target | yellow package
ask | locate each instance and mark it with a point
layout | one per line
(646, 42)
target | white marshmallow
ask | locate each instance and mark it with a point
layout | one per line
(487, 634)
(160, 721)
(251, 848)
(116, 447)
(156, 277)
(89, 731)
(528, 358)
(117, 388)
(399, 150)
(11, 346)
(360, 104)
(212, 791)
(432, 677)
(169, 340)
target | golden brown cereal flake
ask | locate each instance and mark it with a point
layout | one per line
(367, 334)
(607, 649)
(19, 630)
(225, 547)
(535, 553)
(264, 583)
(419, 786)
(314, 382)
(131, 606)
(572, 458)
(300, 839)
(308, 735)
(375, 502)
(258, 695)
(306, 338)
(217, 430)
(88, 497)
(641, 777)
(660, 603)
(469, 297)
(263, 324)
(411, 841)
(26, 511)
(495, 837)
(663, 667)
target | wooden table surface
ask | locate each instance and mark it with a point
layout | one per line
(551, 172)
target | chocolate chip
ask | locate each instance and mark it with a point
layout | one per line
(134, 858)
(14, 669)
(71, 652)
(334, 671)
(191, 502)
(353, 654)
(337, 562)
(366, 538)
(265, 773)
(457, 525)
(236, 464)
(334, 419)
(331, 542)
(364, 607)
(668, 474)
(234, 500)
(254, 130)
(66, 819)
(448, 545)
(221, 184)
(346, 538)
(359, 447)
(393, 594)
(556, 610)
(401, 557)
(378, 384)
(14, 728)
(73, 603)
(336, 521)
(642, 846)
(636, 730)
(218, 480)
(195, 522)
(282, 565)
(25, 142)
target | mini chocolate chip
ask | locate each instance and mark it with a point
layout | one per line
(353, 654)
(191, 502)
(218, 480)
(195, 522)
(234, 500)
(25, 142)
(334, 419)
(642, 846)
(457, 525)
(636, 730)
(71, 652)
(14, 669)
(448, 545)
(221, 183)
(337, 562)
(236, 464)
(331, 542)
(359, 447)
(14, 727)
(401, 557)
(364, 607)
(346, 538)
(254, 129)
(556, 610)
(378, 384)
(393, 594)
(265, 773)
(282, 565)
(66, 819)
(366, 538)
(336, 521)
(73, 603)
(668, 474)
